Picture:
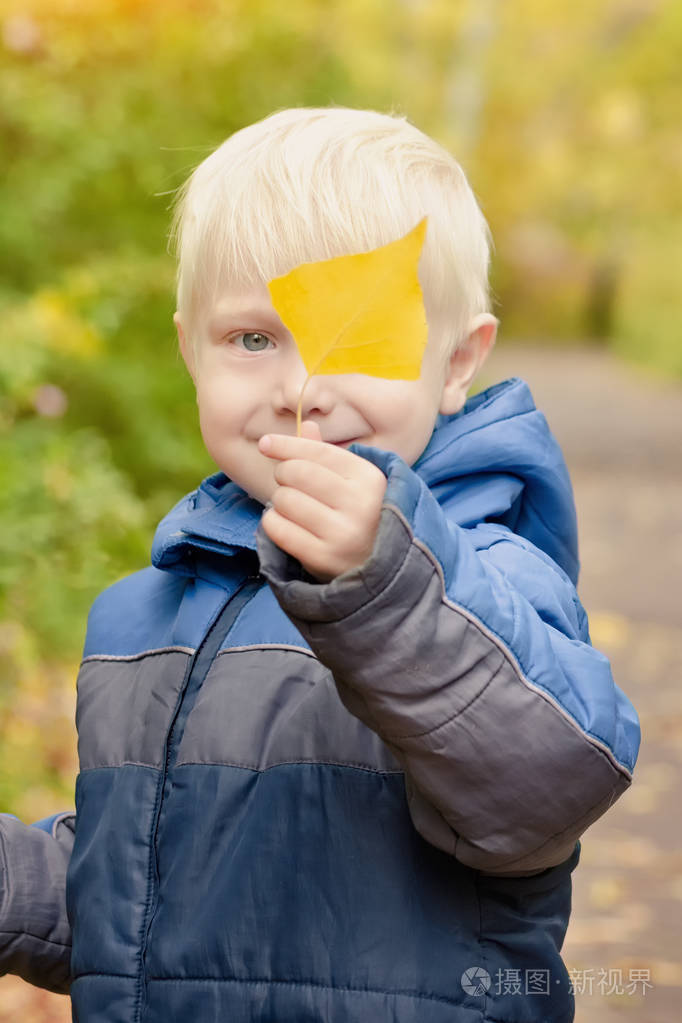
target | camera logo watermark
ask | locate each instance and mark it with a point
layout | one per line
(476, 980)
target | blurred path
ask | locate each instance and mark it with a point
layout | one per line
(622, 436)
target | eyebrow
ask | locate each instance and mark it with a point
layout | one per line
(243, 315)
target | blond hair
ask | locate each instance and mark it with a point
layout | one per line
(307, 184)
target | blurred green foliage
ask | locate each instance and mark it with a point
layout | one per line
(565, 117)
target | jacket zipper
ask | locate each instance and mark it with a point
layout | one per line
(201, 663)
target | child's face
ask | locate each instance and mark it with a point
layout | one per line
(249, 374)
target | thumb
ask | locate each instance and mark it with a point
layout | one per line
(310, 430)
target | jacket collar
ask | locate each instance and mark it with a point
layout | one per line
(218, 517)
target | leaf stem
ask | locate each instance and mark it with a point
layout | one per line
(300, 403)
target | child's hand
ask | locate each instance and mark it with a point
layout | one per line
(326, 510)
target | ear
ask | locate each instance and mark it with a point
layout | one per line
(186, 349)
(466, 361)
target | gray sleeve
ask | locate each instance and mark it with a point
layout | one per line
(35, 936)
(498, 773)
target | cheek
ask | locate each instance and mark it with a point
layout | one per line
(414, 416)
(217, 407)
(405, 405)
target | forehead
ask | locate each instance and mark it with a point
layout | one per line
(241, 305)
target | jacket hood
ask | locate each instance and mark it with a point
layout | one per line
(495, 461)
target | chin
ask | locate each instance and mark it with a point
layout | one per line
(262, 496)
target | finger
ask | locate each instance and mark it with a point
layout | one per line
(281, 446)
(295, 540)
(310, 430)
(318, 481)
(317, 517)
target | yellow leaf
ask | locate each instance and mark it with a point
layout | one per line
(362, 313)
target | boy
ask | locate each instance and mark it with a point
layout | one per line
(335, 755)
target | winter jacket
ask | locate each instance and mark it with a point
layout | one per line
(348, 801)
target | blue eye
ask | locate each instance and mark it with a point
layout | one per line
(261, 343)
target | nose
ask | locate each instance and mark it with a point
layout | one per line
(317, 396)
